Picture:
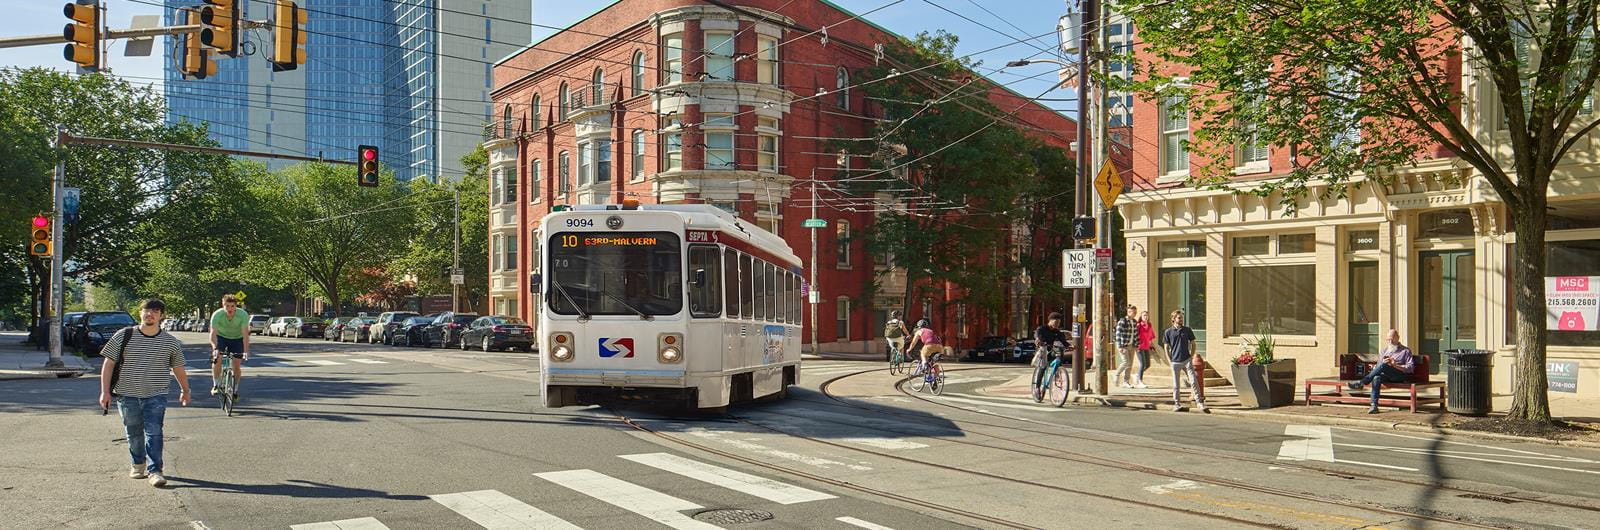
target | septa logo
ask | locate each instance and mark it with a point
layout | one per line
(1572, 283)
(616, 347)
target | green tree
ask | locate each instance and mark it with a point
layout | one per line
(1328, 76)
(429, 255)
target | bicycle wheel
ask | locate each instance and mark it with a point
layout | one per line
(896, 364)
(226, 396)
(918, 382)
(1060, 386)
(937, 385)
(1037, 389)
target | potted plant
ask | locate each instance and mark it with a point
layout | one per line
(1263, 380)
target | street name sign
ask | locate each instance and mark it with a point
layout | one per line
(814, 223)
(1077, 268)
(458, 279)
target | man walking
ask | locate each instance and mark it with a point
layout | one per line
(230, 333)
(138, 360)
(1179, 340)
(1127, 332)
(1394, 366)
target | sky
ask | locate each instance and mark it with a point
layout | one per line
(1003, 23)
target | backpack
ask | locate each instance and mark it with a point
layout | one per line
(894, 329)
(122, 357)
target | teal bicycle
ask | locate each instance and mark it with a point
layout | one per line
(229, 388)
(1056, 382)
(897, 362)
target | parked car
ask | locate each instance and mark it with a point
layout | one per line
(997, 349)
(96, 328)
(258, 324)
(306, 327)
(498, 332)
(70, 322)
(279, 326)
(447, 328)
(166, 323)
(413, 331)
(386, 324)
(335, 327)
(202, 325)
(356, 329)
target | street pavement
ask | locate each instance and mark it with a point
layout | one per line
(369, 436)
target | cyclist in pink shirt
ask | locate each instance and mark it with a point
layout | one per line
(930, 341)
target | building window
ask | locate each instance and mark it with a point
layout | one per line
(1297, 243)
(511, 253)
(841, 236)
(1280, 298)
(495, 185)
(719, 143)
(597, 87)
(767, 60)
(602, 163)
(842, 82)
(535, 178)
(585, 164)
(562, 103)
(638, 73)
(1174, 134)
(1562, 258)
(1252, 153)
(509, 188)
(719, 55)
(564, 173)
(671, 144)
(1344, 87)
(537, 123)
(1252, 246)
(673, 66)
(841, 317)
(637, 168)
(1445, 223)
(497, 247)
(505, 122)
(767, 156)
(961, 320)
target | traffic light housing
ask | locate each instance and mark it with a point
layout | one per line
(195, 61)
(367, 166)
(40, 242)
(288, 34)
(221, 31)
(83, 34)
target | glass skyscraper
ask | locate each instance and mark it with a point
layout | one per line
(372, 77)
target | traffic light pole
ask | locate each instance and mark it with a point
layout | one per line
(1081, 185)
(56, 299)
(455, 288)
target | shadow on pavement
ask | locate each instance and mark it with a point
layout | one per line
(294, 488)
(804, 413)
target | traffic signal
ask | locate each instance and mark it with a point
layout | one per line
(195, 62)
(40, 243)
(221, 31)
(83, 34)
(367, 166)
(288, 34)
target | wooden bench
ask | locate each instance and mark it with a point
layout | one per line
(1343, 394)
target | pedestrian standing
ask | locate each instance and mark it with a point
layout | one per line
(894, 331)
(139, 361)
(1394, 366)
(1146, 341)
(1127, 333)
(1179, 341)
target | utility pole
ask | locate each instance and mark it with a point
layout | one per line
(1105, 349)
(811, 294)
(57, 300)
(455, 293)
(1081, 192)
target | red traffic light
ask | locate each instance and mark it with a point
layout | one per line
(369, 154)
(40, 221)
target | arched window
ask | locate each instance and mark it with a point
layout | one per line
(505, 122)
(843, 84)
(598, 87)
(537, 110)
(638, 73)
(562, 103)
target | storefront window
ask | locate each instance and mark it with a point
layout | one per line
(1181, 249)
(1280, 298)
(1297, 243)
(1562, 258)
(1252, 246)
(1445, 223)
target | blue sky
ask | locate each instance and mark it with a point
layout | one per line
(1009, 20)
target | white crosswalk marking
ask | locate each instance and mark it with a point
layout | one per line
(369, 361)
(280, 364)
(863, 524)
(323, 362)
(364, 523)
(496, 510)
(768, 489)
(657, 506)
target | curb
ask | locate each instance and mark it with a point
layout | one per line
(1344, 422)
(40, 374)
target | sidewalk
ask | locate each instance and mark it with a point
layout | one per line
(1224, 400)
(19, 361)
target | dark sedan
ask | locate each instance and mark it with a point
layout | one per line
(356, 329)
(309, 327)
(335, 326)
(998, 349)
(412, 332)
(387, 324)
(97, 328)
(493, 333)
(447, 328)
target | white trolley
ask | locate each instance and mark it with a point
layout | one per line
(678, 304)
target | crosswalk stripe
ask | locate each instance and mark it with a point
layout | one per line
(323, 362)
(768, 489)
(657, 506)
(280, 364)
(364, 523)
(495, 510)
(863, 524)
(369, 361)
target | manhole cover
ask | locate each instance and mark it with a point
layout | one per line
(732, 516)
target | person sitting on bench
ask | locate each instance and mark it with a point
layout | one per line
(1394, 366)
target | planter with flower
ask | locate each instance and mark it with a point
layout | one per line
(1263, 380)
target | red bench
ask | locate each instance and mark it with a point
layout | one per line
(1341, 392)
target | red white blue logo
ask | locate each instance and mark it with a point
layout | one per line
(616, 347)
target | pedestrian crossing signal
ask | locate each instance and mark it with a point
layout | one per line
(367, 166)
(40, 243)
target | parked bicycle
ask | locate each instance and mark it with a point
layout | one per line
(931, 377)
(1057, 376)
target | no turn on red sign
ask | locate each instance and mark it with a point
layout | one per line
(1077, 266)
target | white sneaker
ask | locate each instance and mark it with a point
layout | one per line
(1202, 408)
(137, 471)
(1177, 408)
(1141, 385)
(157, 480)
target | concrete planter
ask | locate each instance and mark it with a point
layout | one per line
(1263, 386)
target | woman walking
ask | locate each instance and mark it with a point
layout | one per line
(1146, 342)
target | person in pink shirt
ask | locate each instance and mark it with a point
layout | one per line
(1146, 342)
(931, 342)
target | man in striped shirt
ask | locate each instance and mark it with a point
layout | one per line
(145, 355)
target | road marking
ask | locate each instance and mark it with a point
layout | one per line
(987, 403)
(280, 364)
(323, 363)
(364, 523)
(1312, 442)
(768, 489)
(1385, 466)
(492, 509)
(1481, 446)
(753, 447)
(863, 524)
(198, 525)
(1177, 485)
(1447, 454)
(657, 506)
(368, 361)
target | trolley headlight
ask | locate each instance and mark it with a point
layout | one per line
(671, 355)
(669, 348)
(561, 347)
(561, 353)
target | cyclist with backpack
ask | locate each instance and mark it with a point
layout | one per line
(894, 331)
(1049, 341)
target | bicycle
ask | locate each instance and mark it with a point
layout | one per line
(897, 362)
(1056, 383)
(229, 387)
(932, 378)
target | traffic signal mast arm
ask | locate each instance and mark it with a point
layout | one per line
(67, 139)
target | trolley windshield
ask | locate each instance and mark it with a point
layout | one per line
(615, 273)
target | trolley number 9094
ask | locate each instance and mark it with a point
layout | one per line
(580, 223)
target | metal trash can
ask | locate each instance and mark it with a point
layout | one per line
(1468, 387)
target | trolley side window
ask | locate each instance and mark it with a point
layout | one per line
(772, 292)
(705, 281)
(794, 299)
(747, 286)
(760, 282)
(730, 272)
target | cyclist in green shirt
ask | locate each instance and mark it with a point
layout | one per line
(230, 332)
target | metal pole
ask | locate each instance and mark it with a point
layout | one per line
(1081, 185)
(57, 301)
(813, 295)
(1105, 349)
(455, 291)
(67, 139)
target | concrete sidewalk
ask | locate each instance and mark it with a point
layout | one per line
(19, 361)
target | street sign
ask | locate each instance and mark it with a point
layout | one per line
(1102, 260)
(240, 296)
(814, 223)
(69, 205)
(815, 298)
(458, 279)
(1076, 268)
(1109, 184)
(1083, 228)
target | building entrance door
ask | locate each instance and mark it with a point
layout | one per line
(1449, 314)
(1363, 289)
(1183, 289)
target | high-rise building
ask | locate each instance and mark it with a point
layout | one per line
(410, 77)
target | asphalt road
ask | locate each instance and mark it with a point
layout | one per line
(369, 436)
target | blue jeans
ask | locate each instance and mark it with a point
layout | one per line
(141, 419)
(1382, 374)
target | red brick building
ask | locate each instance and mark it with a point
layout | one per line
(685, 101)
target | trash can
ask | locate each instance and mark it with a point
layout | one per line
(1468, 387)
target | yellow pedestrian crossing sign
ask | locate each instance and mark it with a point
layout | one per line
(240, 296)
(1109, 184)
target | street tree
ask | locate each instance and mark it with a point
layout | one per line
(429, 255)
(1361, 89)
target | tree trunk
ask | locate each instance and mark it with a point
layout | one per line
(1531, 400)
